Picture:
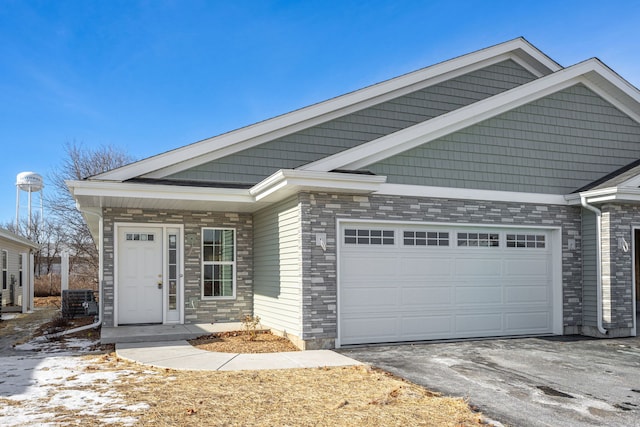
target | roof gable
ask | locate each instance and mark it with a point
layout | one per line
(162, 165)
(591, 73)
(312, 144)
(553, 145)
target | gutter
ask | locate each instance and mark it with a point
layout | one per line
(97, 323)
(598, 212)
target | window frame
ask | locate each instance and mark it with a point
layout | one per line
(5, 269)
(204, 263)
(369, 236)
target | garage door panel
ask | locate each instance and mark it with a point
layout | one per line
(465, 266)
(528, 294)
(538, 267)
(526, 322)
(478, 294)
(370, 329)
(426, 296)
(415, 327)
(427, 266)
(488, 324)
(427, 290)
(367, 298)
(376, 265)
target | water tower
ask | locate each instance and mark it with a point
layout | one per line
(30, 182)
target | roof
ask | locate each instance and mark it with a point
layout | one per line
(162, 165)
(615, 178)
(14, 238)
(144, 184)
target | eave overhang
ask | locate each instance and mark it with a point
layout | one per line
(618, 194)
(93, 196)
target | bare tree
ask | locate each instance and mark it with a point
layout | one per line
(80, 162)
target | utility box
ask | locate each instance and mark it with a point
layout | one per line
(78, 303)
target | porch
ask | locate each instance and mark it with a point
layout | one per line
(155, 333)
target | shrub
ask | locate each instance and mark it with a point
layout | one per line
(250, 325)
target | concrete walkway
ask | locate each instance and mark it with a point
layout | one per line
(182, 355)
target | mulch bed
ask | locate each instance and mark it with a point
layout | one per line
(240, 342)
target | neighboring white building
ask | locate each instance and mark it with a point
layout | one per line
(16, 281)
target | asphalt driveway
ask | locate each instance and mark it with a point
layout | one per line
(555, 381)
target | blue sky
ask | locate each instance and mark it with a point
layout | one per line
(150, 76)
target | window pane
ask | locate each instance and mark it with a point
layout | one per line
(207, 254)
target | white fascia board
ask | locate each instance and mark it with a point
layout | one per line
(422, 133)
(470, 194)
(174, 161)
(287, 181)
(159, 192)
(612, 194)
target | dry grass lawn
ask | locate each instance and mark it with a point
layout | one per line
(343, 396)
(347, 396)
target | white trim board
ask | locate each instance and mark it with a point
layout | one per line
(470, 194)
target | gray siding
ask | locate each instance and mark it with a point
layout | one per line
(589, 269)
(255, 164)
(277, 262)
(554, 145)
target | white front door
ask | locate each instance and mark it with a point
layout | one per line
(140, 275)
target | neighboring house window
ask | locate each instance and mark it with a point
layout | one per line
(479, 239)
(218, 262)
(369, 237)
(5, 260)
(525, 241)
(20, 270)
(426, 238)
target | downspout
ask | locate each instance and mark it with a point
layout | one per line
(100, 278)
(598, 213)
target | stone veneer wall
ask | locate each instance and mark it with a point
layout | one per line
(319, 213)
(197, 310)
(617, 267)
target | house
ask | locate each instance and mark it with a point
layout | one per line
(494, 194)
(16, 288)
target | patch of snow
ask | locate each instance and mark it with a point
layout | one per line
(57, 346)
(50, 374)
(9, 316)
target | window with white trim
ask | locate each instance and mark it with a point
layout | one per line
(526, 241)
(355, 236)
(5, 262)
(218, 262)
(426, 238)
(479, 240)
(20, 270)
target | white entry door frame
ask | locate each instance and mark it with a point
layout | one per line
(153, 279)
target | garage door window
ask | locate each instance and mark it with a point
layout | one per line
(526, 241)
(368, 237)
(479, 239)
(426, 238)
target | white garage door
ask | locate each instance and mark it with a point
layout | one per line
(418, 282)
